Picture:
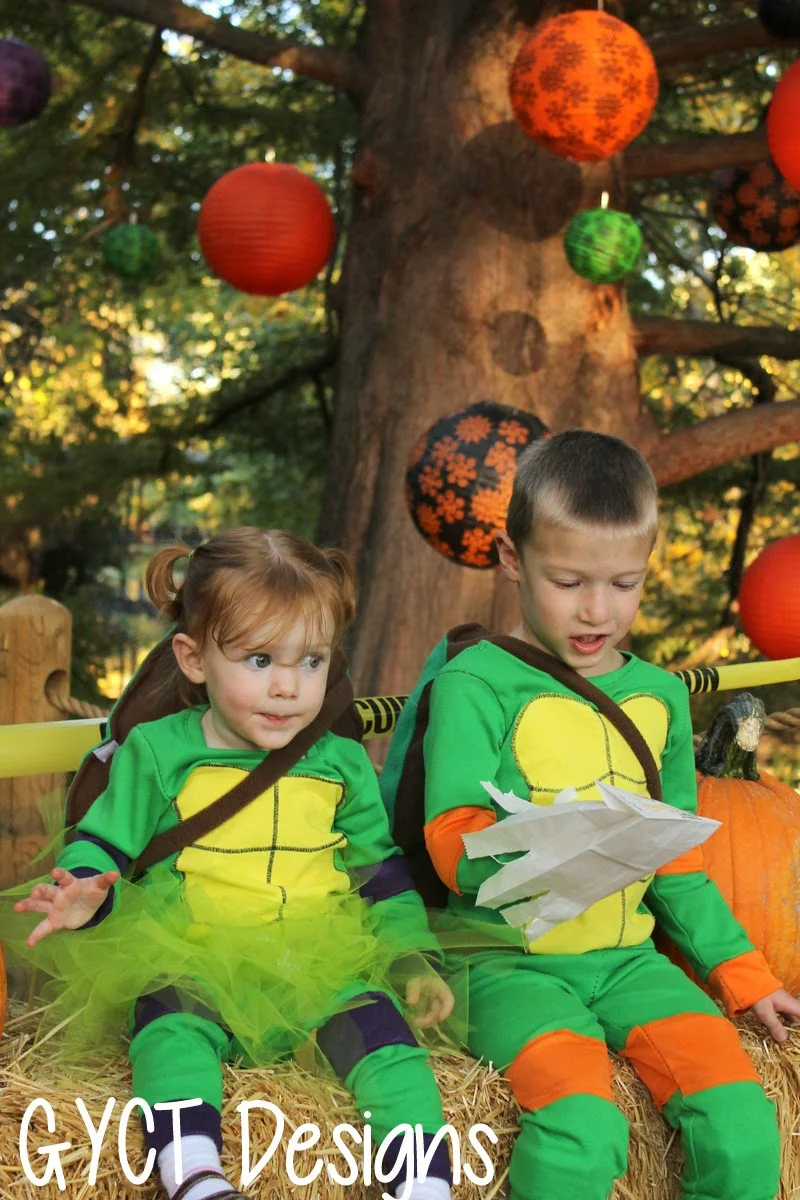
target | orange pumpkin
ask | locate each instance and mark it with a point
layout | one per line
(584, 86)
(755, 857)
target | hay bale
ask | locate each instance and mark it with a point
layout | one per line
(471, 1093)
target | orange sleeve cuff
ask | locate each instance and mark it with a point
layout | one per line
(685, 864)
(443, 838)
(742, 981)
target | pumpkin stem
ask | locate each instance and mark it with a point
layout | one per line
(728, 750)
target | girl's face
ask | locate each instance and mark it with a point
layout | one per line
(259, 700)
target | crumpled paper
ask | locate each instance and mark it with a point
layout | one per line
(576, 852)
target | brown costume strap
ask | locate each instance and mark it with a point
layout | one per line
(409, 818)
(338, 699)
(469, 635)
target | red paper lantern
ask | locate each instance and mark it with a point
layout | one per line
(783, 126)
(769, 599)
(266, 228)
(757, 207)
(584, 86)
(459, 478)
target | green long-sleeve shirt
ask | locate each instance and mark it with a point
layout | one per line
(321, 827)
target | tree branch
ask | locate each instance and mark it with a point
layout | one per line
(720, 440)
(337, 68)
(696, 155)
(764, 392)
(301, 373)
(688, 45)
(661, 335)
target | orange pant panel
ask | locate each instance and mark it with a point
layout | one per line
(559, 1064)
(684, 864)
(443, 838)
(687, 1053)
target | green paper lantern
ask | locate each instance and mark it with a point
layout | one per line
(131, 251)
(602, 245)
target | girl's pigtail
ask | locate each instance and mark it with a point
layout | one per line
(159, 581)
(346, 575)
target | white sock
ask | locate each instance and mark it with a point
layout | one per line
(431, 1188)
(198, 1153)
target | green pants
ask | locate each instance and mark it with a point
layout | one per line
(177, 1054)
(546, 1021)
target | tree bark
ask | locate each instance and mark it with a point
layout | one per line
(455, 289)
(675, 47)
(661, 335)
(696, 155)
(339, 69)
(720, 440)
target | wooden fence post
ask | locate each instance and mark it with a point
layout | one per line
(35, 645)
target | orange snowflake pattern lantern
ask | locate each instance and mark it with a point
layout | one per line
(769, 599)
(459, 478)
(266, 228)
(584, 86)
(783, 128)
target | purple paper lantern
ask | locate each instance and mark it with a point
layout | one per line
(25, 82)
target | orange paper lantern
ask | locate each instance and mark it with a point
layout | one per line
(266, 228)
(769, 599)
(783, 127)
(584, 86)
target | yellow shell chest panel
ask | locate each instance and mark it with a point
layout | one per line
(277, 852)
(560, 741)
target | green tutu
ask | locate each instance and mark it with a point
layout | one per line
(270, 983)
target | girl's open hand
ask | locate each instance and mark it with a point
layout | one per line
(767, 1012)
(431, 996)
(68, 903)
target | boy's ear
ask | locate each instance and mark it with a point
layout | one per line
(189, 658)
(509, 559)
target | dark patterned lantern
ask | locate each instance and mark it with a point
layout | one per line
(602, 245)
(781, 18)
(584, 86)
(757, 207)
(783, 127)
(266, 228)
(131, 251)
(25, 83)
(459, 478)
(769, 599)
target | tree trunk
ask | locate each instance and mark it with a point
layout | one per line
(455, 289)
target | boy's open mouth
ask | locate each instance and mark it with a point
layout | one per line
(589, 643)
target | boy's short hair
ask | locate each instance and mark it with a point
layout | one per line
(582, 478)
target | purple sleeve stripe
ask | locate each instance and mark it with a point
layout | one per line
(119, 859)
(386, 879)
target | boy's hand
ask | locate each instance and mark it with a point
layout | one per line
(432, 995)
(767, 1012)
(68, 903)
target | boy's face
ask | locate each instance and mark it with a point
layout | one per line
(579, 590)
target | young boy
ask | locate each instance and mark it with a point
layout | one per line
(581, 526)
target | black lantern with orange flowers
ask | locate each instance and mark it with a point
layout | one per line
(459, 478)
